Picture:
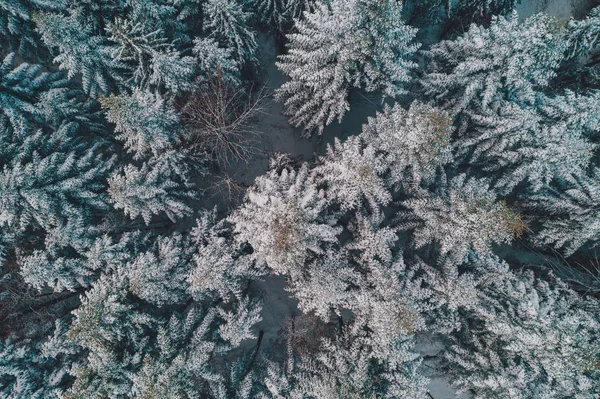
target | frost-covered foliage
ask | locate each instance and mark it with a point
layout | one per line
(215, 61)
(462, 215)
(352, 173)
(282, 220)
(151, 62)
(346, 367)
(17, 31)
(144, 122)
(80, 51)
(516, 145)
(228, 23)
(584, 34)
(345, 44)
(526, 338)
(507, 61)
(116, 114)
(415, 141)
(570, 212)
(146, 192)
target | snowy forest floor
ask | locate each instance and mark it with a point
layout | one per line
(278, 136)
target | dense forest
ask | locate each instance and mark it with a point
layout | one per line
(445, 245)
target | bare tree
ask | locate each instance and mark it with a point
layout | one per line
(220, 120)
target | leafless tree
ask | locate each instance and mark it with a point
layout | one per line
(220, 120)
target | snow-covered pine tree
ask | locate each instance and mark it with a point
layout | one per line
(22, 85)
(221, 266)
(228, 23)
(568, 212)
(145, 123)
(26, 373)
(159, 275)
(352, 174)
(345, 367)
(515, 145)
(17, 31)
(415, 142)
(509, 60)
(214, 62)
(271, 12)
(44, 190)
(79, 51)
(147, 192)
(463, 214)
(580, 111)
(282, 220)
(151, 61)
(583, 35)
(357, 43)
(526, 338)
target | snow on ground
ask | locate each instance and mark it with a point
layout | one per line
(561, 9)
(279, 136)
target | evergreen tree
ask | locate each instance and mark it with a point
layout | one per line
(80, 51)
(526, 338)
(507, 61)
(464, 215)
(569, 210)
(45, 190)
(215, 62)
(517, 145)
(145, 122)
(146, 192)
(22, 86)
(282, 220)
(358, 43)
(151, 61)
(352, 173)
(16, 27)
(583, 34)
(159, 276)
(26, 373)
(228, 23)
(415, 142)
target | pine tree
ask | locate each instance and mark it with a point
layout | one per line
(42, 191)
(507, 61)
(159, 276)
(215, 62)
(359, 43)
(282, 220)
(346, 367)
(415, 142)
(526, 338)
(324, 287)
(80, 52)
(570, 213)
(16, 27)
(153, 63)
(221, 267)
(579, 111)
(352, 173)
(228, 23)
(145, 122)
(518, 145)
(271, 12)
(22, 85)
(464, 215)
(26, 373)
(582, 35)
(146, 192)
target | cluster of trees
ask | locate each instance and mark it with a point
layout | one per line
(115, 283)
